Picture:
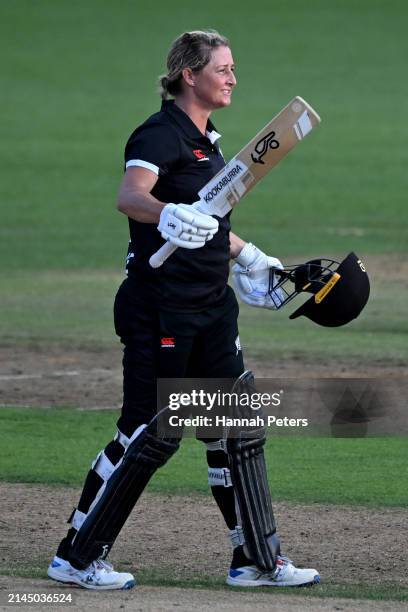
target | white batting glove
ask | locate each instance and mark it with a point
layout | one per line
(250, 278)
(185, 226)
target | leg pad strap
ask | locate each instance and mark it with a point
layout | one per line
(144, 455)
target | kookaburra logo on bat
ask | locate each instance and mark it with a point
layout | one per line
(262, 146)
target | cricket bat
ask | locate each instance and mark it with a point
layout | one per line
(251, 164)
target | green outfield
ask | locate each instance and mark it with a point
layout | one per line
(75, 308)
(356, 472)
(77, 77)
(323, 470)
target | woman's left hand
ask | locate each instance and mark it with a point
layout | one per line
(251, 278)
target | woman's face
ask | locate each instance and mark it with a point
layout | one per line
(213, 85)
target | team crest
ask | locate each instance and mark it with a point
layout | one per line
(200, 156)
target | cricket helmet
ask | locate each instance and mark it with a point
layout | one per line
(340, 289)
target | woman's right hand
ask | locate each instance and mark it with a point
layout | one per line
(185, 226)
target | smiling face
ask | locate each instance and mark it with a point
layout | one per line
(213, 84)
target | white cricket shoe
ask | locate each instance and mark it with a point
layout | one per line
(99, 575)
(284, 575)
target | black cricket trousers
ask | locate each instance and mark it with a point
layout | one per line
(163, 344)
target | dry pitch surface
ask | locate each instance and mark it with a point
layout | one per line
(184, 537)
(341, 542)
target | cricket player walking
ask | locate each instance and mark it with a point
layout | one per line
(180, 320)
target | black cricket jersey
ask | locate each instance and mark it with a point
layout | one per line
(172, 146)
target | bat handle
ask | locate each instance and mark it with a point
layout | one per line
(158, 258)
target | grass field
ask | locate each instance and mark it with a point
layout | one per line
(75, 308)
(76, 79)
(80, 76)
(342, 473)
(324, 470)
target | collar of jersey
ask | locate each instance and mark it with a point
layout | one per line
(187, 125)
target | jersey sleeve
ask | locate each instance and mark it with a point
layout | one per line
(154, 147)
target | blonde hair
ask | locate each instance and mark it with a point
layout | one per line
(190, 50)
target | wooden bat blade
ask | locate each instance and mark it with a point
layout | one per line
(258, 157)
(251, 164)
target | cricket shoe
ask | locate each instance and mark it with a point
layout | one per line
(99, 575)
(284, 575)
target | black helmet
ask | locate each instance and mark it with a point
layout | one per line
(340, 290)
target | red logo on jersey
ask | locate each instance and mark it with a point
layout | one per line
(200, 155)
(168, 343)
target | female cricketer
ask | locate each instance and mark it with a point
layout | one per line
(176, 321)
